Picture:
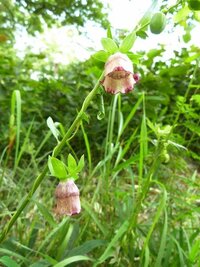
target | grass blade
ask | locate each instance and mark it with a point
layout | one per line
(16, 109)
(45, 213)
(160, 208)
(87, 144)
(162, 242)
(94, 217)
(143, 143)
(71, 260)
(112, 243)
(7, 261)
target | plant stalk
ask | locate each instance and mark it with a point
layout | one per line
(55, 153)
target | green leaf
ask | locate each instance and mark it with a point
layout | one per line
(109, 32)
(194, 253)
(197, 15)
(107, 253)
(142, 34)
(7, 261)
(13, 254)
(45, 213)
(71, 162)
(151, 126)
(81, 164)
(193, 127)
(85, 117)
(52, 127)
(134, 57)
(128, 42)
(146, 254)
(72, 167)
(187, 37)
(196, 98)
(40, 263)
(182, 14)
(94, 217)
(101, 113)
(101, 55)
(161, 251)
(109, 45)
(161, 207)
(86, 247)
(143, 141)
(57, 168)
(71, 260)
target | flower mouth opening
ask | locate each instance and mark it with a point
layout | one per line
(119, 74)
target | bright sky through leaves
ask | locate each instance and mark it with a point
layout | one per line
(67, 45)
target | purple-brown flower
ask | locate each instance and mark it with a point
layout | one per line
(67, 198)
(119, 76)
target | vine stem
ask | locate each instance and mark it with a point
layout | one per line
(58, 148)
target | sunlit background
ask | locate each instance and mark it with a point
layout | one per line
(67, 44)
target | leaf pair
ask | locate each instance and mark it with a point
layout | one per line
(110, 47)
(61, 171)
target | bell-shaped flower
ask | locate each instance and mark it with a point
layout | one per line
(67, 198)
(119, 76)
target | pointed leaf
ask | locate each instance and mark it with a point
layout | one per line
(70, 260)
(85, 117)
(52, 127)
(71, 162)
(7, 261)
(134, 57)
(81, 164)
(109, 45)
(101, 55)
(109, 32)
(57, 168)
(128, 42)
(142, 34)
(108, 251)
(45, 213)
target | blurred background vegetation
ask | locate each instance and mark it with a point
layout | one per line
(49, 88)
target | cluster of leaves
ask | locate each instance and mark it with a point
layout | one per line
(59, 170)
(33, 14)
(169, 95)
(165, 90)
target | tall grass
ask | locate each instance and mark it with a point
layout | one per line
(131, 214)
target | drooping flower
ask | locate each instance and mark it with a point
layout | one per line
(67, 198)
(119, 76)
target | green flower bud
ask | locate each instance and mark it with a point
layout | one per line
(157, 23)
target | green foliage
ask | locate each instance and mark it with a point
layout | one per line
(57, 168)
(128, 42)
(33, 14)
(109, 45)
(101, 55)
(53, 128)
(140, 185)
(61, 171)
(7, 261)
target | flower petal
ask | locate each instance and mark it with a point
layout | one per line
(122, 85)
(119, 77)
(67, 199)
